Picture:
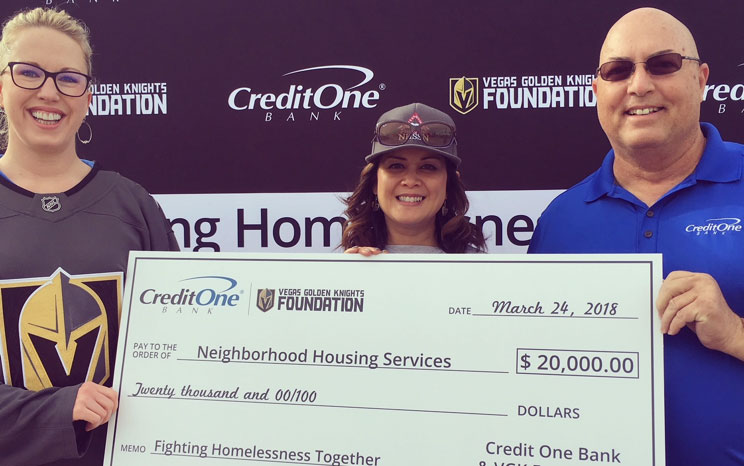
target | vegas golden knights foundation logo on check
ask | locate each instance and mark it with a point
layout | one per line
(265, 299)
(463, 94)
(59, 330)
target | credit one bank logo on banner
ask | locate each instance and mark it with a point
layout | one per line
(521, 92)
(113, 99)
(299, 102)
(726, 98)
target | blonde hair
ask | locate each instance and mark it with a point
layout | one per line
(41, 17)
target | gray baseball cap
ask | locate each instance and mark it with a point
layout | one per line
(416, 114)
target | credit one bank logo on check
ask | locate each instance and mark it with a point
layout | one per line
(310, 299)
(195, 295)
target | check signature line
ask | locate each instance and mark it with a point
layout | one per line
(257, 460)
(554, 317)
(370, 408)
(344, 366)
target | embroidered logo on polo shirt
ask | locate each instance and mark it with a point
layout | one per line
(716, 226)
(50, 203)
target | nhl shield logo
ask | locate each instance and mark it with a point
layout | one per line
(463, 94)
(265, 299)
(50, 204)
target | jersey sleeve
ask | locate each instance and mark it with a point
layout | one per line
(159, 231)
(37, 427)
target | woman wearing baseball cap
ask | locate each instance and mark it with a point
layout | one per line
(410, 198)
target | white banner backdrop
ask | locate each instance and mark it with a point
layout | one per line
(311, 222)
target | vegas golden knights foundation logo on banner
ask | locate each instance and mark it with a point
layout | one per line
(463, 94)
(265, 299)
(59, 331)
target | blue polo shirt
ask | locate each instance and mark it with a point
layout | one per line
(698, 226)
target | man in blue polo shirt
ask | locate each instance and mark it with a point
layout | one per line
(669, 185)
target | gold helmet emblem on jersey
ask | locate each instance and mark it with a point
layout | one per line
(64, 334)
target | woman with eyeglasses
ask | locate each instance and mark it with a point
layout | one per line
(67, 228)
(410, 198)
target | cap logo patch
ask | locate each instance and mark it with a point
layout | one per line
(415, 119)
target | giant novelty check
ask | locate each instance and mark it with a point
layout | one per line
(396, 360)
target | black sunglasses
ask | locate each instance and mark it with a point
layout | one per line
(396, 133)
(658, 65)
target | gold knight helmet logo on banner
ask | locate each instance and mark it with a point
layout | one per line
(58, 331)
(463, 94)
(265, 299)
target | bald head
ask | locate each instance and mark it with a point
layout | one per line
(653, 108)
(645, 22)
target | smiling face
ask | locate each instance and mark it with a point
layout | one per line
(646, 111)
(43, 120)
(411, 188)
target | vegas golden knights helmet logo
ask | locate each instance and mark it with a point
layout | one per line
(60, 331)
(463, 94)
(265, 299)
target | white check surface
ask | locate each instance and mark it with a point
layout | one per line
(397, 360)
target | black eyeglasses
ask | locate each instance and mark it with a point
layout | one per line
(396, 133)
(28, 76)
(658, 65)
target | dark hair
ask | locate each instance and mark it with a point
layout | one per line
(365, 226)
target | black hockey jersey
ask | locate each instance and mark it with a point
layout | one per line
(62, 263)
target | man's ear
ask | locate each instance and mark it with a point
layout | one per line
(703, 73)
